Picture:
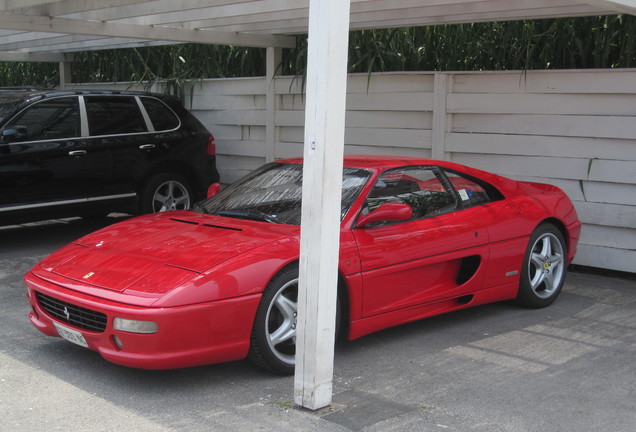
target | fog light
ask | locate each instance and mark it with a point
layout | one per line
(134, 326)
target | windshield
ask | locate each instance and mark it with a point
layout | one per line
(273, 194)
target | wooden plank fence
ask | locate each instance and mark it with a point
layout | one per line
(574, 129)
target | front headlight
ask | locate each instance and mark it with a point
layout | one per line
(134, 326)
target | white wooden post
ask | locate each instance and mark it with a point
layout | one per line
(273, 59)
(65, 74)
(440, 115)
(322, 190)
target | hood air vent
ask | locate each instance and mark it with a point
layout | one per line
(185, 221)
(205, 224)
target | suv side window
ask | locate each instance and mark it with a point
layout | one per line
(49, 119)
(112, 115)
(161, 116)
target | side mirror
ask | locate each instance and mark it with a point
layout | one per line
(14, 134)
(214, 189)
(387, 212)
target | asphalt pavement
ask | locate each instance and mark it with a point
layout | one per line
(569, 367)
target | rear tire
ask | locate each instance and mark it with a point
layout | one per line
(164, 192)
(544, 267)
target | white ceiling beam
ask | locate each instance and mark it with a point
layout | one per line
(66, 7)
(390, 19)
(13, 42)
(70, 43)
(465, 8)
(456, 15)
(400, 13)
(157, 11)
(296, 15)
(162, 33)
(84, 44)
(109, 43)
(7, 5)
(70, 25)
(200, 11)
(261, 16)
(620, 6)
(461, 10)
(35, 57)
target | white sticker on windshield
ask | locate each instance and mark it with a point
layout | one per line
(464, 195)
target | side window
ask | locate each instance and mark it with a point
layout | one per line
(162, 117)
(47, 120)
(419, 187)
(469, 191)
(111, 115)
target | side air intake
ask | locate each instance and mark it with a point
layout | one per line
(468, 268)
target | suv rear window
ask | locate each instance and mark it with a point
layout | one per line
(161, 116)
(112, 115)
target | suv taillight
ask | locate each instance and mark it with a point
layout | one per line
(211, 145)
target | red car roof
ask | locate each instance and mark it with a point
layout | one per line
(382, 162)
(377, 161)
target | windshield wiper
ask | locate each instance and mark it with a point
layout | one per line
(199, 208)
(249, 214)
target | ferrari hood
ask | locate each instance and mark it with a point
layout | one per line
(169, 247)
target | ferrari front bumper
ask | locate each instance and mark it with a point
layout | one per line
(189, 335)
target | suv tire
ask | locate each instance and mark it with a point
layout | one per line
(163, 192)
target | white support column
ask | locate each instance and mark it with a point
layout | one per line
(273, 59)
(65, 74)
(440, 116)
(322, 189)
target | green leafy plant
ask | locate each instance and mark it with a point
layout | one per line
(564, 43)
(582, 183)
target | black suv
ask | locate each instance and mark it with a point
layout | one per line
(93, 152)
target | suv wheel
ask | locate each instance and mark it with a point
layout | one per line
(164, 192)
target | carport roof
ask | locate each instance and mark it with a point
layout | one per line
(45, 29)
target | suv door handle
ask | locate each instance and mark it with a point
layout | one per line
(77, 153)
(147, 147)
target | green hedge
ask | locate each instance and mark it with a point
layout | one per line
(591, 42)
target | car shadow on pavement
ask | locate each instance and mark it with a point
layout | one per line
(570, 362)
(52, 234)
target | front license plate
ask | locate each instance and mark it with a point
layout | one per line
(71, 335)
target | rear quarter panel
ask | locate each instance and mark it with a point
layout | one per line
(527, 205)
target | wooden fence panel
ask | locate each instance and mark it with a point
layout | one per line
(574, 129)
(616, 81)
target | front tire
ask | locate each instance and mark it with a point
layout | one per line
(544, 267)
(164, 192)
(273, 341)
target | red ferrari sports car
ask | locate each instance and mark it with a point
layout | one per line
(219, 282)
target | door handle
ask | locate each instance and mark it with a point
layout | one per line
(77, 153)
(147, 147)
